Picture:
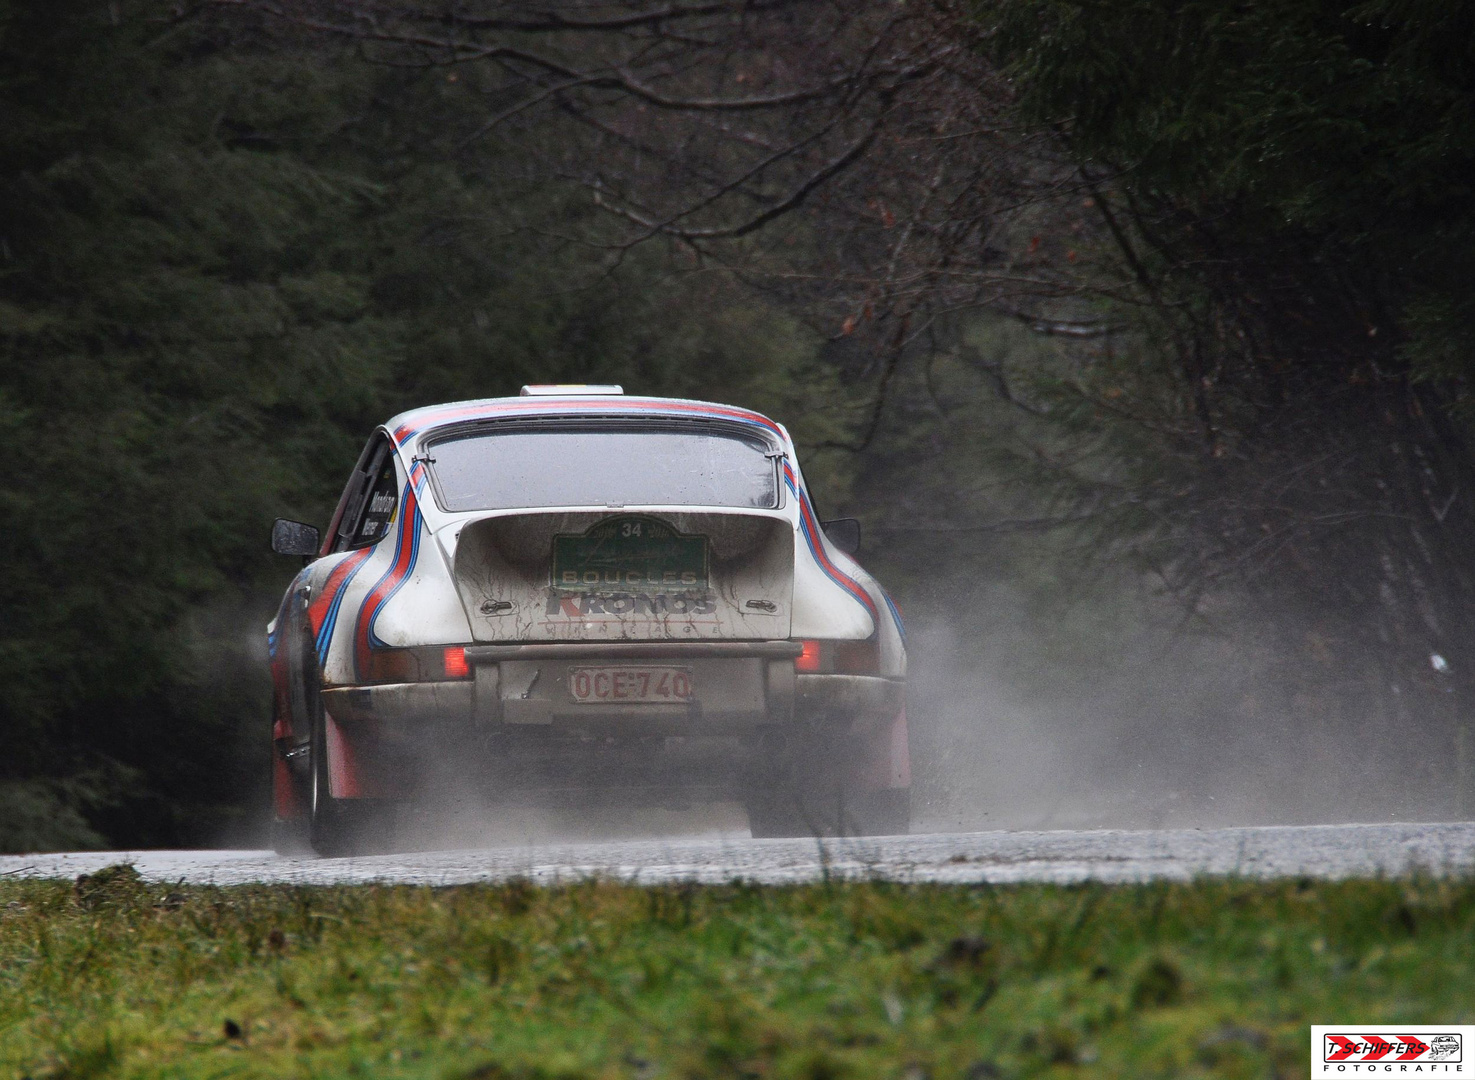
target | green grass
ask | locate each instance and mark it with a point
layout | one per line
(112, 977)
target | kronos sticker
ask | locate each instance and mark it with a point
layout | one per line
(1375, 1050)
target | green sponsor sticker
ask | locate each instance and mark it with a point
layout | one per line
(629, 553)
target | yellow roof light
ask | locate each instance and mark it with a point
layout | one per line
(571, 390)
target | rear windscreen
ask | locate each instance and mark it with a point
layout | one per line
(514, 468)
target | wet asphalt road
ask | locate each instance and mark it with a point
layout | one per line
(1321, 851)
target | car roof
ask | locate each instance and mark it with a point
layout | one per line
(407, 426)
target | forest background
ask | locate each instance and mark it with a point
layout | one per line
(1138, 335)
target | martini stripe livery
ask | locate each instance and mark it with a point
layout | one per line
(406, 552)
(895, 615)
(322, 613)
(809, 525)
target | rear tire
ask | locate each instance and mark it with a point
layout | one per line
(887, 812)
(805, 784)
(832, 813)
(770, 817)
(289, 837)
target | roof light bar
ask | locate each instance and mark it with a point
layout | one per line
(571, 390)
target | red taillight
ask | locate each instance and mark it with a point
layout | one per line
(839, 657)
(428, 663)
(809, 658)
(391, 666)
(455, 663)
(858, 657)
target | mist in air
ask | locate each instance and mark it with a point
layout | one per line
(1160, 727)
(1163, 727)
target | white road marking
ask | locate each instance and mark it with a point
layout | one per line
(1318, 851)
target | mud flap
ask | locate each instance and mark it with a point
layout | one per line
(343, 766)
(361, 765)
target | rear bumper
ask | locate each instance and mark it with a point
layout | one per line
(737, 687)
(516, 720)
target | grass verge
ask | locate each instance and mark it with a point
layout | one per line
(109, 976)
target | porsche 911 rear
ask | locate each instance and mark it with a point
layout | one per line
(591, 598)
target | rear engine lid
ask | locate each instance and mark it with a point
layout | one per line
(549, 575)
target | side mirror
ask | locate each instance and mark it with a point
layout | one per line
(294, 538)
(844, 533)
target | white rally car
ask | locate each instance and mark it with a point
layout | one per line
(574, 595)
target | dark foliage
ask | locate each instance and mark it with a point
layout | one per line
(1285, 193)
(225, 255)
(231, 242)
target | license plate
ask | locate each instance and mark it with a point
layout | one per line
(637, 685)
